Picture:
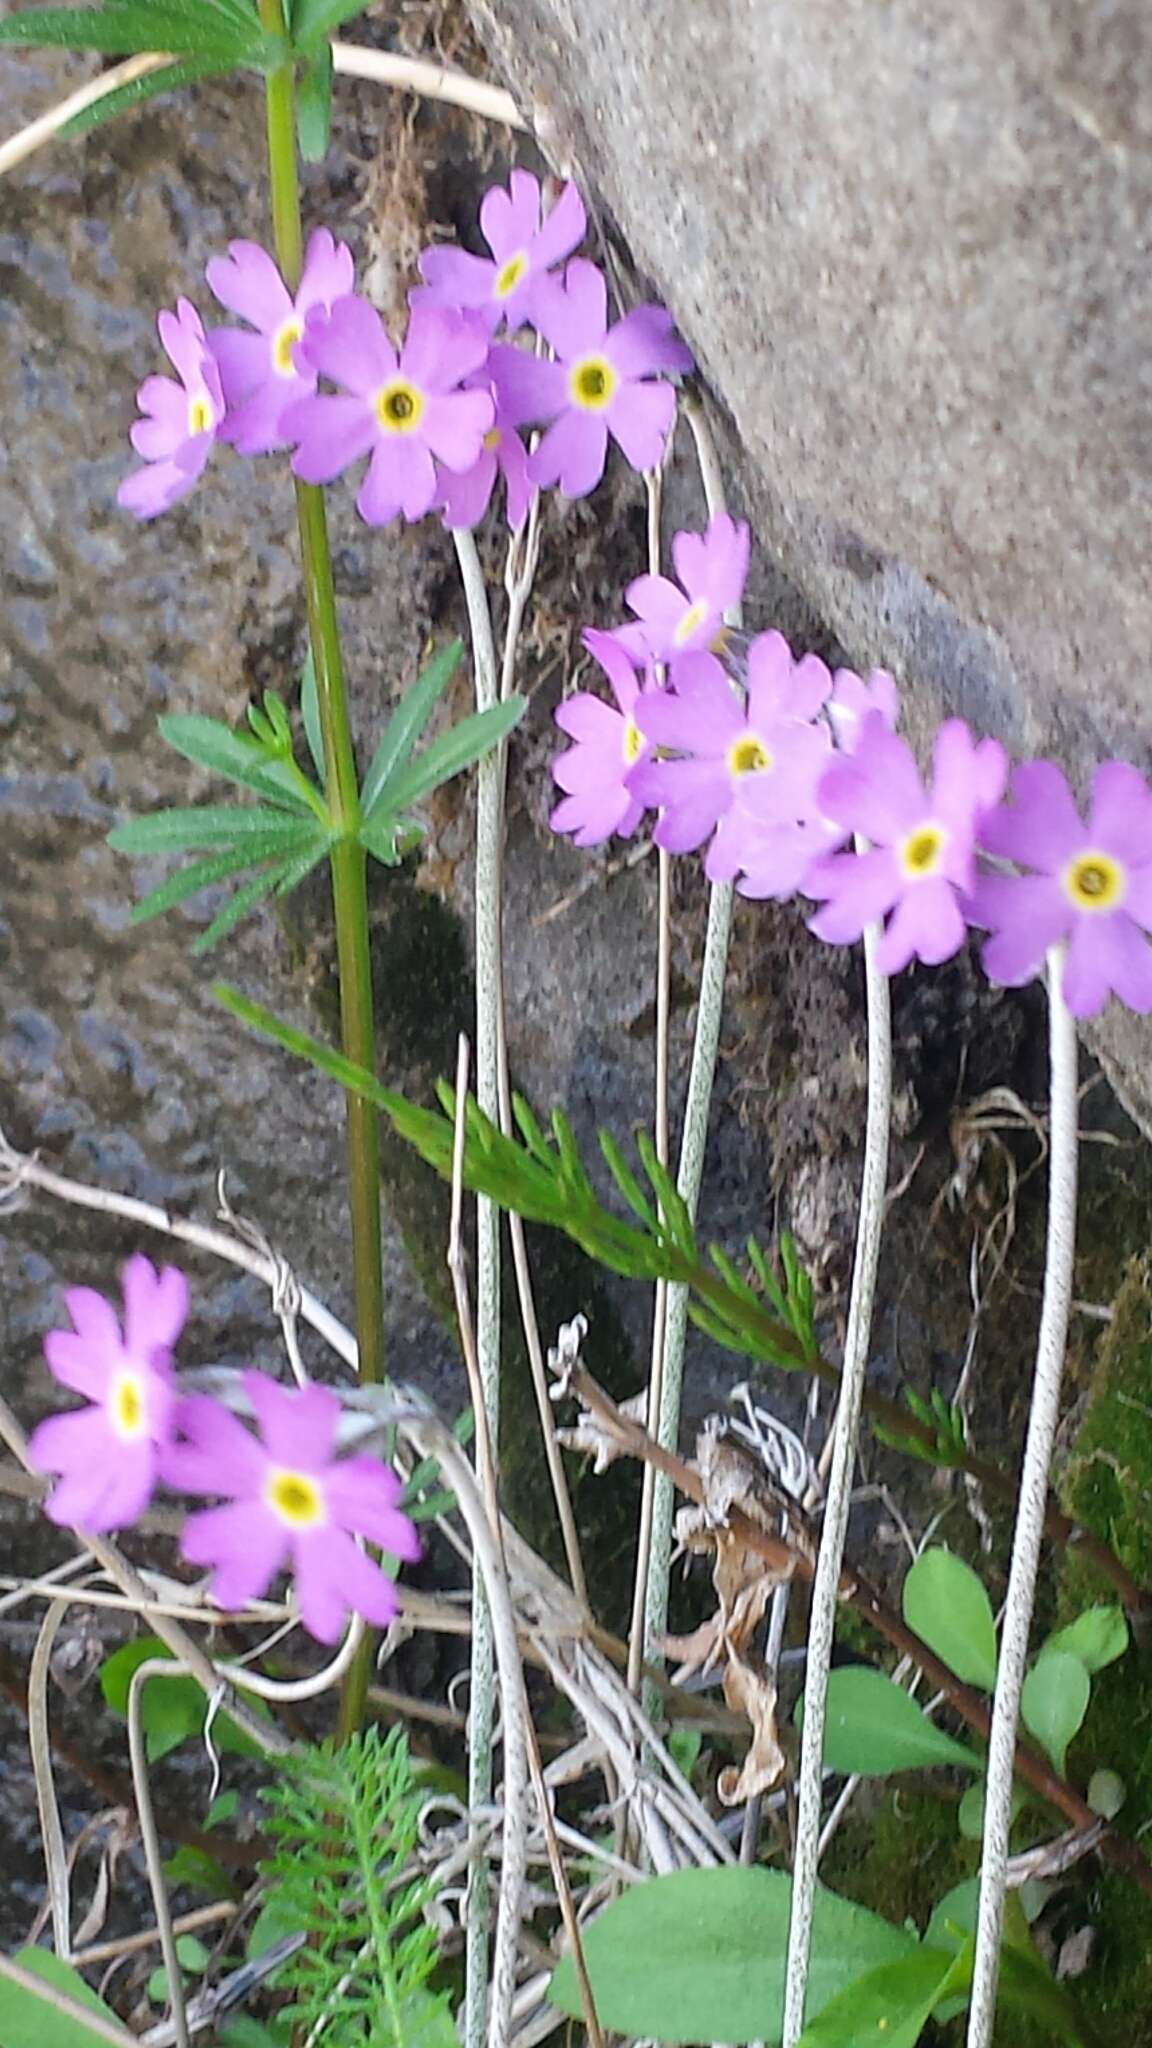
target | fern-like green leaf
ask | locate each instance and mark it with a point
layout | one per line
(345, 1822)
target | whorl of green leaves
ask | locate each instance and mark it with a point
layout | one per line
(203, 39)
(345, 1823)
(279, 840)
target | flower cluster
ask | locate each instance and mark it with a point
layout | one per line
(290, 1500)
(440, 417)
(795, 782)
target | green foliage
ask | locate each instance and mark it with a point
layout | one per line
(28, 2021)
(314, 105)
(1054, 1702)
(942, 1438)
(345, 1823)
(892, 2004)
(874, 1728)
(699, 1955)
(946, 1605)
(172, 1710)
(284, 836)
(1097, 1637)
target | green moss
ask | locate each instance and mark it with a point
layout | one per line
(900, 1848)
(1108, 1485)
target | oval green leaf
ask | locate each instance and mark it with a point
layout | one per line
(1054, 1702)
(890, 2007)
(1097, 1637)
(872, 1728)
(27, 2020)
(699, 1955)
(945, 1603)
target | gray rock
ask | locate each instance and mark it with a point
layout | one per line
(910, 247)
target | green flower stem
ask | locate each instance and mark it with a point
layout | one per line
(348, 858)
(838, 1501)
(489, 855)
(1043, 1417)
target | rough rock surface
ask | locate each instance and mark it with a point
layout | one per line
(911, 248)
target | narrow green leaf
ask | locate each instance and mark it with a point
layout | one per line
(1054, 1702)
(314, 105)
(890, 2007)
(186, 71)
(293, 871)
(29, 2021)
(201, 874)
(946, 1604)
(122, 31)
(627, 1182)
(237, 908)
(210, 744)
(699, 1955)
(449, 755)
(407, 723)
(325, 1057)
(310, 713)
(1097, 1637)
(204, 826)
(312, 19)
(874, 1729)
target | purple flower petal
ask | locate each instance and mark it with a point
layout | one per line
(454, 426)
(509, 220)
(155, 1306)
(247, 1544)
(334, 1578)
(573, 318)
(242, 360)
(350, 346)
(1120, 816)
(219, 1455)
(561, 231)
(1107, 955)
(692, 794)
(363, 1495)
(329, 273)
(453, 278)
(860, 889)
(442, 348)
(528, 389)
(878, 791)
(249, 284)
(332, 433)
(1043, 828)
(298, 1424)
(644, 342)
(926, 924)
(466, 495)
(572, 453)
(703, 715)
(640, 418)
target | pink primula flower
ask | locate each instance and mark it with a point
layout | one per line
(465, 498)
(753, 758)
(504, 287)
(107, 1454)
(1091, 886)
(608, 744)
(680, 618)
(853, 698)
(292, 1502)
(181, 420)
(774, 859)
(920, 860)
(600, 384)
(259, 370)
(403, 409)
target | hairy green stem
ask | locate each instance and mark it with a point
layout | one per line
(482, 1686)
(1042, 1420)
(348, 858)
(834, 1530)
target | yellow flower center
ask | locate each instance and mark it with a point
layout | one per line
(283, 344)
(1095, 881)
(509, 276)
(127, 1410)
(923, 851)
(296, 1498)
(748, 756)
(399, 406)
(492, 438)
(693, 618)
(633, 741)
(201, 415)
(592, 383)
